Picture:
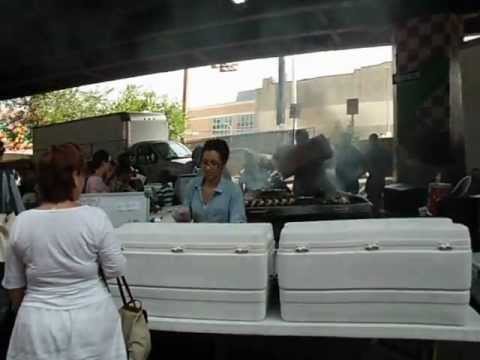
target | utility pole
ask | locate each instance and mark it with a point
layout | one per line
(185, 92)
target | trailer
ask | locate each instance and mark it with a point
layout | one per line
(114, 133)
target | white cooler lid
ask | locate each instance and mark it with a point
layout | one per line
(195, 236)
(409, 233)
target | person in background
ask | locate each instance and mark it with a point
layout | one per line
(27, 185)
(111, 173)
(122, 180)
(2, 149)
(311, 178)
(303, 175)
(165, 192)
(211, 197)
(127, 177)
(378, 163)
(350, 165)
(52, 270)
(100, 167)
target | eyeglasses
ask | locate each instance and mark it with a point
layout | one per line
(211, 164)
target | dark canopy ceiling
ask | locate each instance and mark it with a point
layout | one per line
(54, 44)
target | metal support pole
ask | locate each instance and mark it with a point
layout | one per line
(294, 101)
(352, 124)
(435, 350)
(281, 92)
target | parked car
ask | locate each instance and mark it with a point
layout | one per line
(152, 158)
(237, 160)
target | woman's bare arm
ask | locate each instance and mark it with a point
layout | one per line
(16, 296)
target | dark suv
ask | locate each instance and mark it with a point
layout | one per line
(152, 158)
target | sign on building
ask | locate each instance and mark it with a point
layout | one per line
(352, 107)
(294, 111)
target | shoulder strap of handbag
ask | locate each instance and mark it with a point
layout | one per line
(132, 303)
(104, 279)
(122, 283)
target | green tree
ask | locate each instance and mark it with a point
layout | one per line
(134, 98)
(177, 119)
(70, 104)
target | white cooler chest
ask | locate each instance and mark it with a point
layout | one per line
(200, 271)
(121, 208)
(377, 271)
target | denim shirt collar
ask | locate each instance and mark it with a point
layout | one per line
(220, 189)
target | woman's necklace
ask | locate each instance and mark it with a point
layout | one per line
(208, 190)
(207, 193)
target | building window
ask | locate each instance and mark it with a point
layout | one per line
(234, 124)
(245, 123)
(222, 126)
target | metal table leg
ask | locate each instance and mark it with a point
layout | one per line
(435, 350)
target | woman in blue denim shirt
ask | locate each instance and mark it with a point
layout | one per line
(211, 198)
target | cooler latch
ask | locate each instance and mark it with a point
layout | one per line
(301, 250)
(241, 251)
(372, 247)
(445, 247)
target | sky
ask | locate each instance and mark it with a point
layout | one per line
(208, 86)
